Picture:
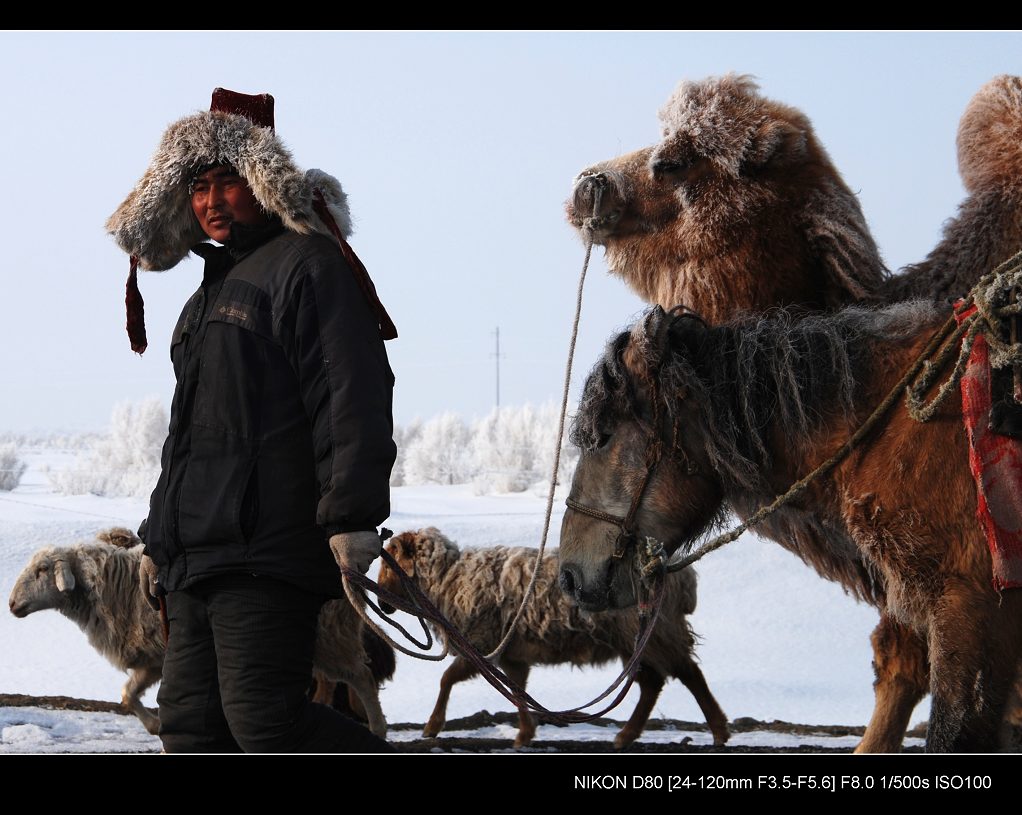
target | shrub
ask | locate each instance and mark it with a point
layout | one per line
(11, 467)
(125, 462)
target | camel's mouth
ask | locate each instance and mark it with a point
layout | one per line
(601, 226)
(596, 203)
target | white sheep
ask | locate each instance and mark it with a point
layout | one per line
(480, 590)
(95, 584)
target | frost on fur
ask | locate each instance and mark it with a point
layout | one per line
(125, 462)
(11, 467)
(155, 222)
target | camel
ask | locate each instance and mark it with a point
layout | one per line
(739, 209)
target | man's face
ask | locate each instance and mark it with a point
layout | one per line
(221, 197)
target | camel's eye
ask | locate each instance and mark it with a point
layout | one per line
(665, 168)
(603, 440)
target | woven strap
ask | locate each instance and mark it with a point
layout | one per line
(388, 330)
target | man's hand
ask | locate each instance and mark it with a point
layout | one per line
(356, 550)
(147, 581)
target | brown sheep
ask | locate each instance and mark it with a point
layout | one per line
(479, 591)
(382, 664)
(95, 585)
(702, 219)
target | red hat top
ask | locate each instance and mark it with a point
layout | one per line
(257, 108)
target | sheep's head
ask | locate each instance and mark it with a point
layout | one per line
(402, 549)
(46, 582)
(119, 536)
(425, 554)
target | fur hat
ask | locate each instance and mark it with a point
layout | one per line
(155, 224)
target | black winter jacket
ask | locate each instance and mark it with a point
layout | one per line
(280, 427)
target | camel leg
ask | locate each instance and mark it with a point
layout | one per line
(902, 671)
(458, 671)
(974, 649)
(139, 681)
(650, 685)
(692, 678)
(518, 672)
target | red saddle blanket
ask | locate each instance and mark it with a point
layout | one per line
(996, 464)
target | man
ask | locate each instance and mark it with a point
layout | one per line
(279, 454)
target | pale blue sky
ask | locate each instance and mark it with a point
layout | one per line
(457, 151)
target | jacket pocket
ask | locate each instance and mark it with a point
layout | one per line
(219, 471)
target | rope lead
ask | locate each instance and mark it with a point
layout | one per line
(512, 627)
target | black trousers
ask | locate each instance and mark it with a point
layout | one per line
(238, 669)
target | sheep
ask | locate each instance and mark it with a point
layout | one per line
(479, 591)
(382, 664)
(95, 585)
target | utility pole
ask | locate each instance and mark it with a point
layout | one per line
(497, 356)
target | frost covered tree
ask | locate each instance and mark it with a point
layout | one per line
(439, 453)
(404, 437)
(544, 435)
(509, 450)
(504, 450)
(513, 450)
(125, 462)
(11, 467)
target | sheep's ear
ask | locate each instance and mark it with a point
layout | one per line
(65, 577)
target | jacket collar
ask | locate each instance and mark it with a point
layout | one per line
(243, 241)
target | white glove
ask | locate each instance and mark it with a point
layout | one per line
(356, 550)
(147, 572)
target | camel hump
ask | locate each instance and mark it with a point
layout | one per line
(990, 135)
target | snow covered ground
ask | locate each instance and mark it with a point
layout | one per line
(777, 642)
(40, 730)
